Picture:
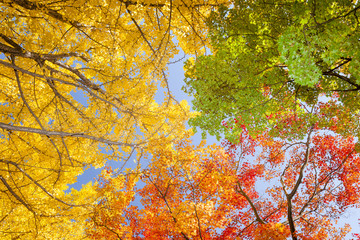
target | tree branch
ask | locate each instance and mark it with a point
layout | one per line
(258, 218)
(64, 134)
(15, 195)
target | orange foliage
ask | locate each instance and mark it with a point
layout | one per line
(256, 188)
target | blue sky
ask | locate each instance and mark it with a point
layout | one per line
(176, 82)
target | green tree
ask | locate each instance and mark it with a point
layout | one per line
(278, 55)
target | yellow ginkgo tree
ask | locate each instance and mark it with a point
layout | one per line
(112, 53)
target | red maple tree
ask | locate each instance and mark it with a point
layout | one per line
(258, 187)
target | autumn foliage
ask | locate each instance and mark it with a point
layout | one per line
(85, 82)
(256, 188)
(77, 76)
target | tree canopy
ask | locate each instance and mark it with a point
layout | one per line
(213, 192)
(79, 86)
(277, 55)
(115, 54)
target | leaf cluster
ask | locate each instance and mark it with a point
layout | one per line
(275, 55)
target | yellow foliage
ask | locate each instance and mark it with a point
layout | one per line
(114, 54)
